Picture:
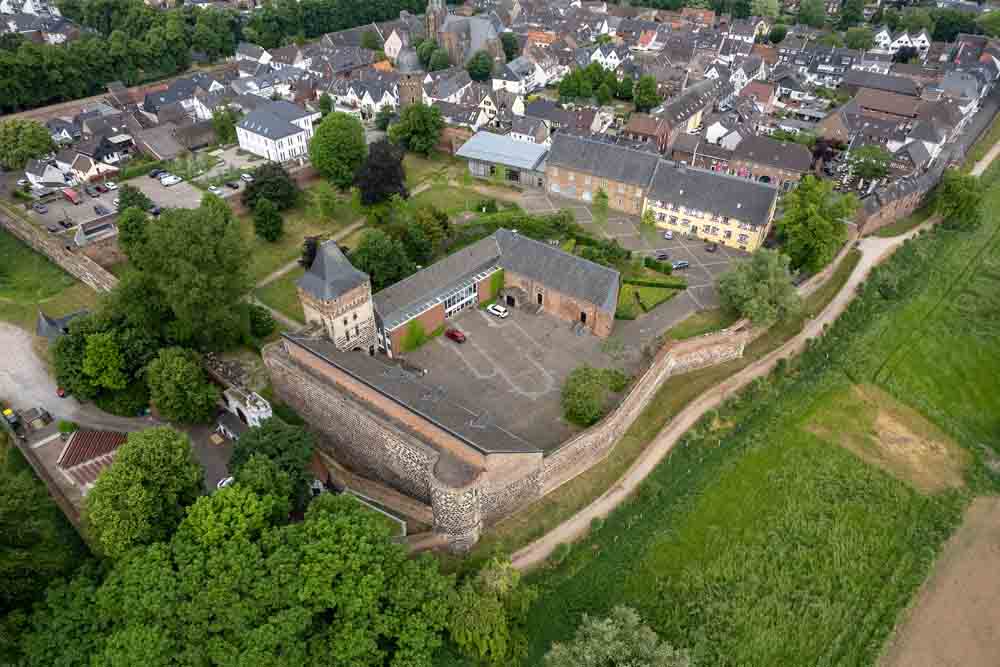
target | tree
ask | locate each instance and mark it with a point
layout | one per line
(761, 289)
(417, 243)
(990, 23)
(194, 263)
(600, 207)
(648, 218)
(915, 19)
(852, 12)
(381, 176)
(272, 485)
(224, 123)
(102, 361)
(338, 148)
(646, 96)
(812, 13)
(905, 54)
(369, 40)
(948, 23)
(271, 181)
(22, 140)
(231, 586)
(957, 199)
(765, 8)
(812, 223)
(859, 37)
(511, 47)
(267, 221)
(262, 324)
(143, 495)
(480, 66)
(585, 393)
(289, 447)
(620, 640)
(418, 128)
(439, 60)
(384, 117)
(490, 610)
(777, 34)
(382, 258)
(425, 51)
(604, 94)
(130, 196)
(325, 104)
(625, 87)
(869, 162)
(179, 388)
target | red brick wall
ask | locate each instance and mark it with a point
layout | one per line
(430, 319)
(562, 306)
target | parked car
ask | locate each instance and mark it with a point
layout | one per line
(662, 256)
(71, 195)
(116, 203)
(223, 483)
(497, 310)
(91, 190)
(111, 185)
(215, 191)
(668, 235)
(156, 173)
(169, 180)
(681, 264)
(455, 335)
(22, 182)
(101, 210)
(233, 185)
(712, 247)
(40, 207)
(101, 188)
(247, 178)
(66, 224)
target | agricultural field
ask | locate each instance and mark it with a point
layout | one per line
(794, 525)
(29, 282)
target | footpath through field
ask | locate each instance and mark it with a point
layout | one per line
(987, 160)
(873, 251)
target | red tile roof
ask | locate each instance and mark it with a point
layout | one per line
(89, 452)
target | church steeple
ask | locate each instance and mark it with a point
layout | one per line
(437, 12)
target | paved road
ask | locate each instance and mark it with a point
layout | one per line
(25, 383)
(873, 250)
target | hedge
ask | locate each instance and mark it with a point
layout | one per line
(140, 169)
(666, 268)
(672, 283)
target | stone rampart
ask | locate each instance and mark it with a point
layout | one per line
(61, 251)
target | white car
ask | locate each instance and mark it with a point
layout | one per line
(117, 202)
(169, 180)
(223, 483)
(668, 235)
(215, 191)
(111, 185)
(247, 178)
(497, 310)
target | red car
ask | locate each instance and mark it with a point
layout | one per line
(455, 335)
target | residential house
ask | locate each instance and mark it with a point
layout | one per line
(95, 231)
(446, 85)
(43, 174)
(531, 130)
(520, 76)
(648, 129)
(578, 167)
(579, 120)
(764, 95)
(713, 206)
(278, 131)
(692, 150)
(63, 131)
(685, 112)
(855, 80)
(769, 161)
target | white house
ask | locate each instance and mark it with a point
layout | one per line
(610, 57)
(278, 131)
(520, 76)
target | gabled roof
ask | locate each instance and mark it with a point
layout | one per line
(88, 452)
(274, 120)
(767, 151)
(501, 149)
(714, 192)
(331, 274)
(893, 84)
(602, 160)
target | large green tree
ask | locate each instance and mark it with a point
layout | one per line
(224, 123)
(869, 162)
(383, 258)
(381, 176)
(179, 387)
(439, 60)
(289, 447)
(231, 587)
(645, 95)
(418, 128)
(511, 47)
(620, 640)
(852, 12)
(480, 66)
(958, 200)
(812, 223)
(142, 497)
(859, 37)
(765, 8)
(812, 13)
(273, 182)
(761, 289)
(267, 221)
(338, 148)
(22, 140)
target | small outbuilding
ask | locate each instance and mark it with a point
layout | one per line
(520, 162)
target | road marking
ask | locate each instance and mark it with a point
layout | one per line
(45, 441)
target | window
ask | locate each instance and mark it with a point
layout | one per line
(685, 222)
(355, 317)
(621, 188)
(743, 238)
(673, 220)
(345, 321)
(728, 234)
(586, 180)
(661, 216)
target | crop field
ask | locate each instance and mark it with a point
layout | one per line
(793, 525)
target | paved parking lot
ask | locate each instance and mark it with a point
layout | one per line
(514, 368)
(62, 211)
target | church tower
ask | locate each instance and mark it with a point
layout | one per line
(437, 12)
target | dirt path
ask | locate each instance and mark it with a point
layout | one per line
(284, 320)
(956, 615)
(342, 234)
(986, 161)
(873, 251)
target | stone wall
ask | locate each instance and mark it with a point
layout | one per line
(566, 308)
(61, 252)
(105, 252)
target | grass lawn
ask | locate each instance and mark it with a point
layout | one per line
(420, 169)
(904, 225)
(701, 322)
(450, 199)
(29, 282)
(307, 219)
(983, 146)
(281, 295)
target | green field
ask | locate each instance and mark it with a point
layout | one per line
(783, 530)
(29, 282)
(282, 296)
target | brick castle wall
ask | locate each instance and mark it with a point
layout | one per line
(567, 308)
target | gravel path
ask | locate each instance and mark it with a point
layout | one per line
(873, 251)
(986, 161)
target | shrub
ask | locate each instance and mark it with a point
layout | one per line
(666, 268)
(131, 401)
(261, 323)
(585, 393)
(67, 427)
(671, 283)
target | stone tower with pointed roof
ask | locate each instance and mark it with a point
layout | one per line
(337, 296)
(437, 12)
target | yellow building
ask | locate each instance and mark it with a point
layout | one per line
(713, 206)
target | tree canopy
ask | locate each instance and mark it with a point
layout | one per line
(267, 221)
(338, 148)
(480, 66)
(273, 182)
(777, 34)
(511, 47)
(812, 13)
(645, 96)
(22, 140)
(439, 60)
(859, 37)
(179, 387)
(869, 162)
(141, 498)
(812, 223)
(761, 289)
(383, 258)
(958, 200)
(289, 447)
(765, 8)
(620, 640)
(381, 176)
(418, 128)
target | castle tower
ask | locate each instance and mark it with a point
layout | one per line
(337, 296)
(437, 12)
